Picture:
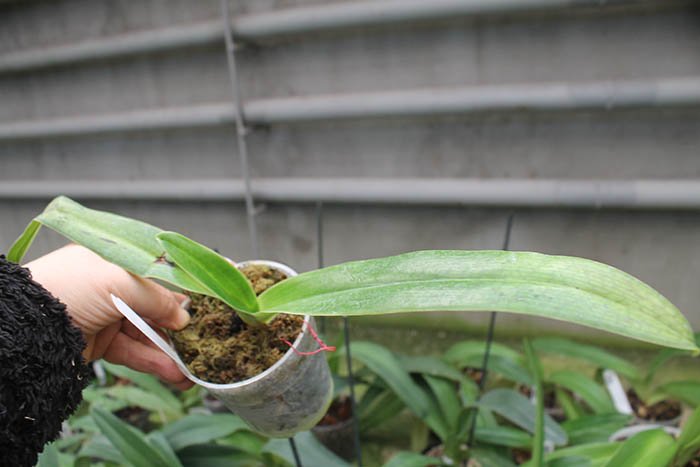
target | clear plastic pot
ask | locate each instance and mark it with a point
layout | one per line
(290, 396)
(622, 403)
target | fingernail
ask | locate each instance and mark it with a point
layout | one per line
(183, 318)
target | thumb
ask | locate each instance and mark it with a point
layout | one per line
(155, 302)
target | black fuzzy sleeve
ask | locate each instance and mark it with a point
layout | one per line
(42, 372)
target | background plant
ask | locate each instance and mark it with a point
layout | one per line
(175, 430)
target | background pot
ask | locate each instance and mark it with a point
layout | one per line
(623, 405)
(338, 437)
(336, 429)
(290, 396)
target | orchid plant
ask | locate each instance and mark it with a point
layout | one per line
(565, 288)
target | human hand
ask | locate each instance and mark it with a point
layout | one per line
(83, 281)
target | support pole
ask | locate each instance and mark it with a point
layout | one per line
(241, 129)
(319, 253)
(293, 445)
(351, 381)
(489, 341)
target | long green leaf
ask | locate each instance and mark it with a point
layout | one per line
(49, 457)
(517, 409)
(200, 429)
(382, 408)
(130, 442)
(387, 367)
(22, 244)
(314, 453)
(598, 454)
(686, 391)
(595, 355)
(159, 442)
(245, 440)
(116, 397)
(147, 382)
(571, 461)
(536, 371)
(429, 365)
(99, 447)
(445, 393)
(502, 360)
(651, 448)
(503, 436)
(410, 459)
(593, 393)
(572, 410)
(125, 242)
(505, 367)
(99, 397)
(486, 456)
(558, 287)
(594, 428)
(212, 270)
(135, 396)
(467, 350)
(662, 357)
(216, 455)
(689, 441)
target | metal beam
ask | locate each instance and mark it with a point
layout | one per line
(114, 46)
(626, 194)
(464, 100)
(409, 103)
(297, 20)
(154, 119)
(300, 20)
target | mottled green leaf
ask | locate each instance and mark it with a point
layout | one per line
(125, 242)
(558, 287)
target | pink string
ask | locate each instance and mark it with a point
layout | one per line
(322, 345)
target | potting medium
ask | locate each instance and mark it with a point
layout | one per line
(290, 396)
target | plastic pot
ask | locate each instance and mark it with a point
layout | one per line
(622, 403)
(290, 396)
(339, 436)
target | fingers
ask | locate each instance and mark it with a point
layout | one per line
(124, 350)
(154, 302)
(184, 385)
(134, 333)
(180, 297)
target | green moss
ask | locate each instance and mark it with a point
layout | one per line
(217, 346)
